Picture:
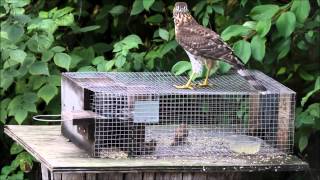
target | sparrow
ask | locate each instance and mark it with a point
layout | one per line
(180, 136)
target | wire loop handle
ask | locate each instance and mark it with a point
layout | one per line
(42, 118)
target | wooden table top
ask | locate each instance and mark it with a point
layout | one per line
(58, 154)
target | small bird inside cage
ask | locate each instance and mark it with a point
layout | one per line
(180, 135)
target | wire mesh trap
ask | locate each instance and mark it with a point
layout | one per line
(121, 115)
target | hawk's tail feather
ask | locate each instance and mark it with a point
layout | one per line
(251, 79)
(242, 71)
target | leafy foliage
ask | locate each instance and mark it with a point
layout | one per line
(39, 40)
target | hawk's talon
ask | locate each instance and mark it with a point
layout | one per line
(204, 85)
(186, 86)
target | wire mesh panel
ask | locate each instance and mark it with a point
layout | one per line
(143, 115)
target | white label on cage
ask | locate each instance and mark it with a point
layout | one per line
(146, 112)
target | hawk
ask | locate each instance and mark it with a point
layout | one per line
(204, 47)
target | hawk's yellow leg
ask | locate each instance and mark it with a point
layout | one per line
(205, 82)
(188, 85)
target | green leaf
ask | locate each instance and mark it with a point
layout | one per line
(311, 93)
(224, 67)
(147, 4)
(87, 29)
(18, 55)
(258, 47)
(137, 7)
(205, 19)
(155, 19)
(62, 12)
(18, 3)
(15, 32)
(25, 166)
(129, 42)
(43, 15)
(158, 6)
(243, 2)
(3, 110)
(109, 65)
(264, 12)
(250, 24)
(281, 71)
(283, 48)
(307, 96)
(58, 49)
(17, 11)
(47, 56)
(302, 45)
(164, 34)
(117, 10)
(286, 24)
(85, 54)
(54, 80)
(306, 118)
(15, 149)
(40, 43)
(181, 67)
(97, 60)
(218, 9)
(87, 69)
(65, 20)
(39, 68)
(18, 176)
(242, 50)
(310, 36)
(37, 81)
(314, 110)
(263, 27)
(25, 161)
(317, 84)
(120, 61)
(234, 30)
(20, 115)
(20, 105)
(62, 60)
(199, 7)
(301, 9)
(47, 92)
(6, 170)
(303, 142)
(47, 25)
(306, 75)
(138, 60)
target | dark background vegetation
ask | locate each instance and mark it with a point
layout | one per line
(40, 39)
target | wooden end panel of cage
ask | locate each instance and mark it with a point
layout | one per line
(283, 121)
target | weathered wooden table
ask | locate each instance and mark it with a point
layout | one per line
(61, 159)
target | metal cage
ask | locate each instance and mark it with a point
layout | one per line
(141, 114)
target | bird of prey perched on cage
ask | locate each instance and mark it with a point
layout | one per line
(204, 47)
(180, 135)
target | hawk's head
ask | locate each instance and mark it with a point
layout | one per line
(181, 14)
(180, 7)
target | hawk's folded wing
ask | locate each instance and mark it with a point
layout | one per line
(204, 42)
